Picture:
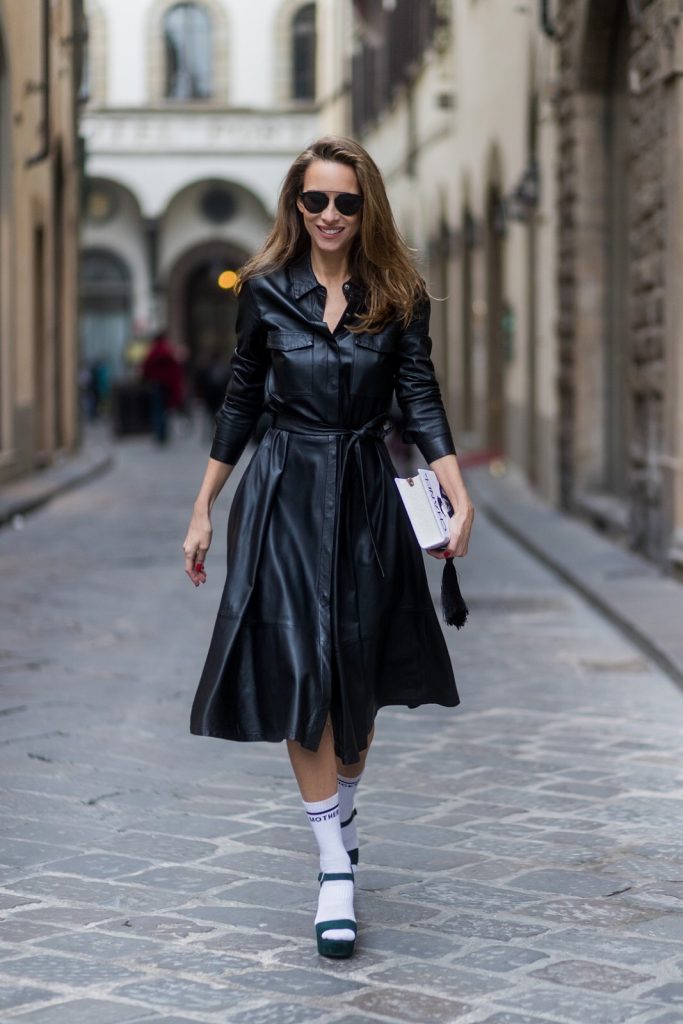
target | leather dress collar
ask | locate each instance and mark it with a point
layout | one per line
(303, 280)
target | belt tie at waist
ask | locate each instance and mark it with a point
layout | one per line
(375, 429)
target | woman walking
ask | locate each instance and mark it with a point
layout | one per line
(326, 614)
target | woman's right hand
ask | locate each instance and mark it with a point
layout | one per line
(196, 546)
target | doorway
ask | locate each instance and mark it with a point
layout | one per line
(495, 410)
(105, 324)
(210, 310)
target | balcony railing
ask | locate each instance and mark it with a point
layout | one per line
(193, 131)
(391, 44)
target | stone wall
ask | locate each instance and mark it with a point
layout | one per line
(648, 212)
(587, 286)
(40, 169)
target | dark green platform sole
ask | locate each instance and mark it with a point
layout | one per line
(338, 949)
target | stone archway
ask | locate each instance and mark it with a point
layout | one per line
(113, 220)
(208, 227)
(204, 211)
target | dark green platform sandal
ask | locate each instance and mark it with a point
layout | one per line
(353, 854)
(337, 948)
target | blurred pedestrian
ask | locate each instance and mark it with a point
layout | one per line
(96, 385)
(211, 381)
(163, 372)
(326, 614)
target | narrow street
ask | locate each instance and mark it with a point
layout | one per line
(521, 857)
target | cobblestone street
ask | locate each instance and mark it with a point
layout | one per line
(521, 858)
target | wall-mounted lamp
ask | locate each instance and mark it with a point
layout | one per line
(227, 280)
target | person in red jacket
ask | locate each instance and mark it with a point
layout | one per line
(163, 372)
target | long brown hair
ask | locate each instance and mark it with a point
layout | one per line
(379, 259)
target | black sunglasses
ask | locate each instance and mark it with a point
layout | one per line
(347, 203)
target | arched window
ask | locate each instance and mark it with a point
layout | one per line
(303, 53)
(187, 38)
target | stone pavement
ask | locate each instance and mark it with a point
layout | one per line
(632, 592)
(33, 491)
(522, 857)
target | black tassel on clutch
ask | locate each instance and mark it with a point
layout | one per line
(453, 606)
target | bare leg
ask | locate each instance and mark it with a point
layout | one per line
(315, 770)
(317, 774)
(352, 771)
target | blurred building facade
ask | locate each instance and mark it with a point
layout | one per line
(454, 100)
(620, 115)
(40, 55)
(533, 154)
(194, 113)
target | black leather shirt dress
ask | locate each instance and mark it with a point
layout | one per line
(326, 607)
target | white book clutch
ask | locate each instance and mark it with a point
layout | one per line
(427, 507)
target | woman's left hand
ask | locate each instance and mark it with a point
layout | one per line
(460, 526)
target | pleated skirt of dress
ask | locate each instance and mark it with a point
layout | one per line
(305, 630)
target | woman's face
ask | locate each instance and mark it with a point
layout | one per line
(330, 231)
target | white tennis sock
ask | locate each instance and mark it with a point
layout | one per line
(347, 795)
(336, 897)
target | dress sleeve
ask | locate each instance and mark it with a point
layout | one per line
(417, 390)
(244, 396)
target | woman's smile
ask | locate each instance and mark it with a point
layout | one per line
(331, 232)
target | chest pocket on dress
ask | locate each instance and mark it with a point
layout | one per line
(291, 357)
(373, 364)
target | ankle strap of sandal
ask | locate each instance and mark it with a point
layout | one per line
(349, 820)
(335, 876)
